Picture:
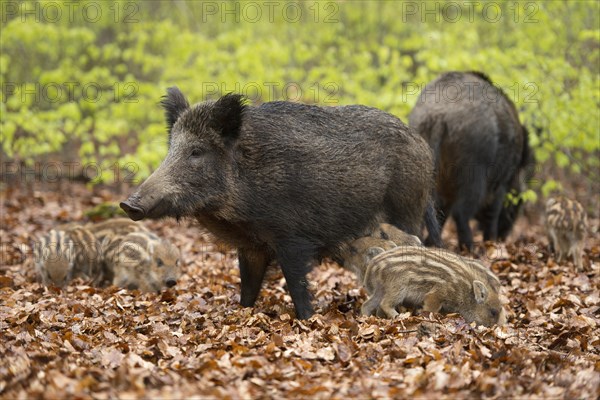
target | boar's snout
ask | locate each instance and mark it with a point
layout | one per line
(133, 211)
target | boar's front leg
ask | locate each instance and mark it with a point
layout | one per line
(296, 259)
(253, 264)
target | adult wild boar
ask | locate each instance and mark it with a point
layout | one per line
(286, 181)
(481, 152)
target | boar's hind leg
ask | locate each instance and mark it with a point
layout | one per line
(465, 236)
(470, 197)
(490, 226)
(253, 264)
(296, 259)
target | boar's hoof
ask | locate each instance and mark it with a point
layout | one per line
(135, 213)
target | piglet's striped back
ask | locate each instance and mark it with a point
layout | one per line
(53, 255)
(141, 260)
(565, 214)
(115, 227)
(62, 255)
(435, 265)
(132, 247)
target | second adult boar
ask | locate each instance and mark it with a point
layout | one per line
(286, 181)
(481, 151)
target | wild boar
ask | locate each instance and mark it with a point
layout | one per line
(62, 255)
(567, 225)
(141, 260)
(286, 181)
(481, 152)
(434, 280)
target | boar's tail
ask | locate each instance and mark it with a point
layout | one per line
(433, 227)
(436, 131)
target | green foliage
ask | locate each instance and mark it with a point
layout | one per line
(105, 211)
(88, 90)
(527, 196)
(550, 187)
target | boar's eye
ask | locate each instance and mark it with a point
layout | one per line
(159, 262)
(494, 313)
(197, 152)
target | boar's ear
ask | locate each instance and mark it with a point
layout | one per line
(373, 251)
(480, 292)
(226, 116)
(174, 104)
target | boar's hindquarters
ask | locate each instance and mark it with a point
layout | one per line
(433, 227)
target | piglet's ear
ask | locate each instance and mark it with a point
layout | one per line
(480, 292)
(174, 104)
(226, 115)
(372, 252)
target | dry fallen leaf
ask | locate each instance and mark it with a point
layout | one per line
(195, 340)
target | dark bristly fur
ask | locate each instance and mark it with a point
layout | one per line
(227, 115)
(286, 181)
(174, 104)
(481, 151)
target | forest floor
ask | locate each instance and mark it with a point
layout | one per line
(196, 340)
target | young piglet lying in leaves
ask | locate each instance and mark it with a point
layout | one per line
(433, 280)
(64, 254)
(141, 260)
